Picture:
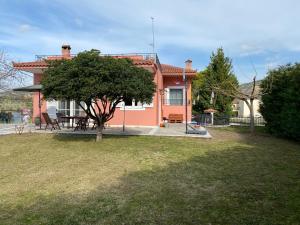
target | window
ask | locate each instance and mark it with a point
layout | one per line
(176, 96)
(64, 107)
(69, 108)
(128, 102)
(131, 104)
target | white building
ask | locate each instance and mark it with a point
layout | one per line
(240, 107)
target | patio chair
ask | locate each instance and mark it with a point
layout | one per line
(61, 120)
(50, 122)
(82, 124)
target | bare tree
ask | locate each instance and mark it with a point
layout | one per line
(248, 98)
(9, 76)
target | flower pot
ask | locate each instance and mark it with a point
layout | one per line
(37, 121)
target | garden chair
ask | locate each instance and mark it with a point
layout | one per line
(82, 124)
(61, 120)
(50, 122)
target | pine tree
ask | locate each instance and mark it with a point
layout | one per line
(219, 73)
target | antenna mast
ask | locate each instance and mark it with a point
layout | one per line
(153, 40)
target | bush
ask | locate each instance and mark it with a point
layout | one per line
(281, 105)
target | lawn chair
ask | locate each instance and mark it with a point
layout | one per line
(61, 120)
(49, 122)
(82, 124)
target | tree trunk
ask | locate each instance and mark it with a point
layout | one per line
(250, 106)
(252, 127)
(99, 132)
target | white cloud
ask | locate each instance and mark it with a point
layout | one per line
(243, 28)
(24, 28)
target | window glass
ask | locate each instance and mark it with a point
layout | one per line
(64, 107)
(176, 96)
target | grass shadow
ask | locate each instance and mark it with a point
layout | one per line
(85, 137)
(240, 185)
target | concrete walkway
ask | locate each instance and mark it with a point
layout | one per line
(173, 130)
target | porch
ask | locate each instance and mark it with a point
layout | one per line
(172, 130)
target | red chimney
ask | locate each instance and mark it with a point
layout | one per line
(65, 51)
(188, 64)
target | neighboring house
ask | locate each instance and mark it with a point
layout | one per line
(168, 99)
(240, 108)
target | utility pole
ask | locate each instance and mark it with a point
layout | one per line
(186, 100)
(124, 107)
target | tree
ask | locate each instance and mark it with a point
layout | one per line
(97, 84)
(201, 92)
(281, 104)
(9, 76)
(217, 72)
(223, 82)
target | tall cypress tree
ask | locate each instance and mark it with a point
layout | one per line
(219, 73)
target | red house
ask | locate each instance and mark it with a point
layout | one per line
(169, 98)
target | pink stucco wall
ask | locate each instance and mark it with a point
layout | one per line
(150, 116)
(35, 99)
(173, 109)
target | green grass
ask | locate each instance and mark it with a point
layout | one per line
(234, 178)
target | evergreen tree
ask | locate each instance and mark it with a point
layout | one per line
(219, 73)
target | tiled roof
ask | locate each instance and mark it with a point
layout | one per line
(43, 64)
(167, 70)
(38, 64)
(173, 70)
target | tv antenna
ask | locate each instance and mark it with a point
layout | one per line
(153, 40)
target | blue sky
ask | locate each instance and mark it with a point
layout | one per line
(260, 32)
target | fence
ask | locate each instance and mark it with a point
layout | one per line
(258, 121)
(9, 117)
(223, 120)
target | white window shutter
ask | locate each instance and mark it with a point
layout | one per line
(167, 96)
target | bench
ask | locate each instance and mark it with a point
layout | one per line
(175, 118)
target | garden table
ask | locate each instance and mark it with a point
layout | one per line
(73, 118)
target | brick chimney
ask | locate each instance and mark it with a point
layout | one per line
(66, 51)
(188, 64)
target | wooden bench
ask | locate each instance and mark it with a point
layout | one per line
(175, 118)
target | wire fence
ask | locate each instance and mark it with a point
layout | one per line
(223, 120)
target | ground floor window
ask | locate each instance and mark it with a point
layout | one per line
(70, 108)
(132, 103)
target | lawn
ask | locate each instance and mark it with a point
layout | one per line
(234, 178)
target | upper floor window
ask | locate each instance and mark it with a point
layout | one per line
(174, 96)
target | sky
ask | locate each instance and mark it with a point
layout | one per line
(257, 35)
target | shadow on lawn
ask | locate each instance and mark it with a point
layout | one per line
(85, 137)
(241, 185)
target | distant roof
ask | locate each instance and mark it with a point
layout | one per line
(210, 110)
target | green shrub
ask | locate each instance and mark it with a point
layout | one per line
(281, 104)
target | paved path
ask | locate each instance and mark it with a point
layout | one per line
(173, 130)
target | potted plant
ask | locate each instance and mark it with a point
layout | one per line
(37, 121)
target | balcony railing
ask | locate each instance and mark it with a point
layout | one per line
(174, 101)
(141, 56)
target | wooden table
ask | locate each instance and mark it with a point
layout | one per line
(73, 118)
